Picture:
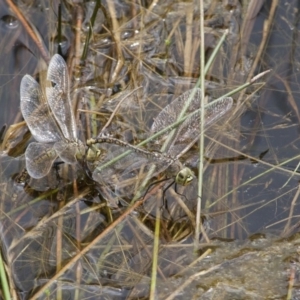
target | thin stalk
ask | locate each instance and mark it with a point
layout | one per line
(214, 53)
(30, 30)
(188, 102)
(292, 174)
(59, 35)
(33, 201)
(4, 282)
(201, 125)
(178, 122)
(254, 178)
(155, 255)
(88, 37)
(190, 279)
(85, 250)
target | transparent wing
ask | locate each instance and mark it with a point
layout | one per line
(190, 127)
(69, 152)
(39, 159)
(171, 112)
(36, 112)
(109, 152)
(127, 174)
(59, 97)
(133, 178)
(189, 130)
(108, 178)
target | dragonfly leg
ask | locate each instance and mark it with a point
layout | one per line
(179, 193)
(152, 184)
(164, 202)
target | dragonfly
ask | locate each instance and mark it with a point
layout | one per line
(185, 136)
(50, 119)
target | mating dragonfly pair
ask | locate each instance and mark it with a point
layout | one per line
(51, 121)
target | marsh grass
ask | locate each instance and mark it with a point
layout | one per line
(67, 236)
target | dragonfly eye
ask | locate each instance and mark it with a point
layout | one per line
(189, 179)
(185, 176)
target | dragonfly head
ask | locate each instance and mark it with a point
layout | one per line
(185, 176)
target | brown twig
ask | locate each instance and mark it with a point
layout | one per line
(87, 248)
(116, 109)
(32, 34)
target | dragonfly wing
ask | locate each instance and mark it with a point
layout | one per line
(58, 96)
(107, 153)
(69, 152)
(190, 128)
(36, 112)
(171, 112)
(110, 175)
(132, 178)
(105, 178)
(39, 159)
(126, 175)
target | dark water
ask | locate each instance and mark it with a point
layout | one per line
(270, 124)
